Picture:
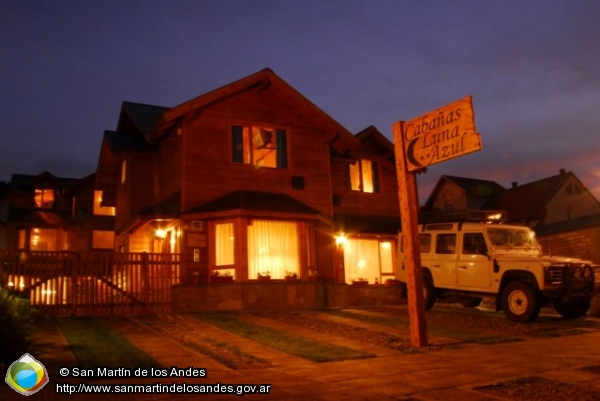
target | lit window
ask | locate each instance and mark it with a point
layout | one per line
(224, 244)
(43, 239)
(259, 146)
(103, 239)
(100, 210)
(368, 259)
(273, 248)
(44, 198)
(364, 176)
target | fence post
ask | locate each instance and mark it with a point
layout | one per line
(74, 274)
(145, 282)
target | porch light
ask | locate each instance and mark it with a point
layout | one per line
(340, 239)
(160, 233)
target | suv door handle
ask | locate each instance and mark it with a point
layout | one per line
(463, 267)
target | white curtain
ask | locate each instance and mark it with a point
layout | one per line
(272, 248)
(361, 260)
(224, 244)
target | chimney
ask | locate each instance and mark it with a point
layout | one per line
(562, 170)
(514, 184)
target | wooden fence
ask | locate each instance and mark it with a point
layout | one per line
(77, 284)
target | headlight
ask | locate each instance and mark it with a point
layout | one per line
(587, 273)
(577, 273)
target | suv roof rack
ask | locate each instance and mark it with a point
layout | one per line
(468, 215)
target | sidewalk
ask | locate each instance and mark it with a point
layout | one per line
(452, 373)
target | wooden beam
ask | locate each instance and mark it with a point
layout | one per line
(409, 212)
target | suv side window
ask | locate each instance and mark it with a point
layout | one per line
(425, 243)
(474, 244)
(445, 244)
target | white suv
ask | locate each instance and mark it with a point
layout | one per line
(476, 260)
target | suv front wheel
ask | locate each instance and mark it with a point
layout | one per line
(520, 302)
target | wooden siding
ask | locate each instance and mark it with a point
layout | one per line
(210, 173)
(385, 202)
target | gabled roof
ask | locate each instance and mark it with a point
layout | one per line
(28, 182)
(481, 194)
(373, 144)
(341, 138)
(543, 189)
(141, 116)
(528, 201)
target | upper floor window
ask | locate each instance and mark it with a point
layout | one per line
(44, 198)
(100, 210)
(364, 176)
(259, 146)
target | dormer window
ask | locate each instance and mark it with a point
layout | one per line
(44, 198)
(259, 146)
(364, 176)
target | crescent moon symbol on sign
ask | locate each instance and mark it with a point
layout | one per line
(410, 153)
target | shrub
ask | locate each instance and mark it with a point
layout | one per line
(16, 319)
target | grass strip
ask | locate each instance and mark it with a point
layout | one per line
(94, 343)
(438, 330)
(298, 346)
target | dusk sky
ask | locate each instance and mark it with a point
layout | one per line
(532, 67)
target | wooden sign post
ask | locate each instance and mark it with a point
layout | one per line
(409, 211)
(440, 135)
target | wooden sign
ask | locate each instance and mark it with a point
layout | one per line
(442, 134)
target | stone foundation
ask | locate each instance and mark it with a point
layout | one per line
(281, 296)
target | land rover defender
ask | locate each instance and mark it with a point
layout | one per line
(473, 260)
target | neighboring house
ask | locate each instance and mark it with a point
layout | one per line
(550, 200)
(252, 178)
(453, 196)
(564, 214)
(48, 213)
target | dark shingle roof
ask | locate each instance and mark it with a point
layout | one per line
(39, 217)
(143, 115)
(254, 201)
(166, 208)
(128, 142)
(569, 225)
(363, 224)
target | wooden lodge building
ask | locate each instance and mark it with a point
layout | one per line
(248, 182)
(252, 179)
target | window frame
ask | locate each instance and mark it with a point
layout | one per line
(242, 150)
(361, 176)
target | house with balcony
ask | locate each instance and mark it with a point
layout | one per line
(252, 179)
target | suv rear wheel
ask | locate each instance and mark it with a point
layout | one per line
(520, 302)
(428, 293)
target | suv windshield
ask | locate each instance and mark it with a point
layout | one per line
(512, 237)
